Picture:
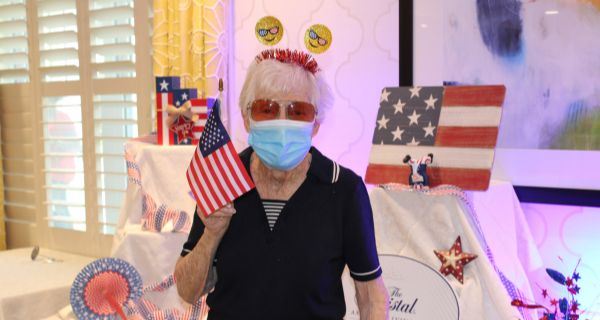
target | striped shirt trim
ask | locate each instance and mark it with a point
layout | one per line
(362, 274)
(336, 172)
(273, 209)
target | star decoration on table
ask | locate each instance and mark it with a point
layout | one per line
(454, 260)
(182, 128)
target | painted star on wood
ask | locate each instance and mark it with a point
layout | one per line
(384, 95)
(414, 91)
(454, 260)
(164, 86)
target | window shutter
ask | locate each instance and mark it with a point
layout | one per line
(115, 121)
(63, 162)
(14, 60)
(57, 31)
(112, 37)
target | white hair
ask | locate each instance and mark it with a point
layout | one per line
(271, 77)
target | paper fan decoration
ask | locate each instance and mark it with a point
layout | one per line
(103, 288)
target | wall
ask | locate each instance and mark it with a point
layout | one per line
(362, 59)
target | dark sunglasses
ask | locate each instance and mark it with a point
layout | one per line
(313, 35)
(264, 32)
(266, 109)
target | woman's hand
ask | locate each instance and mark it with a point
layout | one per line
(217, 223)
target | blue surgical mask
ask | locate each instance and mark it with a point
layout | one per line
(281, 144)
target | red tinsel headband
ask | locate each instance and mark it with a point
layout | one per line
(299, 58)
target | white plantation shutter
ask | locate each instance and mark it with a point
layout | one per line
(63, 162)
(115, 121)
(72, 75)
(58, 44)
(112, 37)
(14, 64)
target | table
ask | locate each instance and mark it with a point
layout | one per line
(36, 289)
(159, 172)
(400, 225)
(491, 223)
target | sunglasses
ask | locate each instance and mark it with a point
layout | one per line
(265, 109)
(313, 35)
(264, 32)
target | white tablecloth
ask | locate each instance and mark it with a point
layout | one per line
(162, 176)
(414, 224)
(36, 289)
(507, 233)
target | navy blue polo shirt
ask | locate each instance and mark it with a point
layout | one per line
(294, 271)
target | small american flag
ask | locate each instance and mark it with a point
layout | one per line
(458, 124)
(216, 174)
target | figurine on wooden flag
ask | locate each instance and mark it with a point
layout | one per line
(418, 174)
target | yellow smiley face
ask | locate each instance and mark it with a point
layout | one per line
(317, 38)
(268, 30)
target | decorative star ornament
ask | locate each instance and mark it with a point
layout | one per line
(454, 260)
(182, 128)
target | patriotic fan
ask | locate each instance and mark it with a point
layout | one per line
(278, 250)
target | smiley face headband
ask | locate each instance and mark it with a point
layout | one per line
(269, 31)
(299, 58)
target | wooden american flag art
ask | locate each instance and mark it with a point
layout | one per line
(169, 92)
(457, 124)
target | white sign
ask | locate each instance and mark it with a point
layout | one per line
(416, 291)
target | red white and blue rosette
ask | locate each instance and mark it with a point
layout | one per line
(103, 288)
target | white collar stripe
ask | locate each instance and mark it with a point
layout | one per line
(336, 172)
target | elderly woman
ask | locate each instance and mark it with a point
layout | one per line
(278, 251)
